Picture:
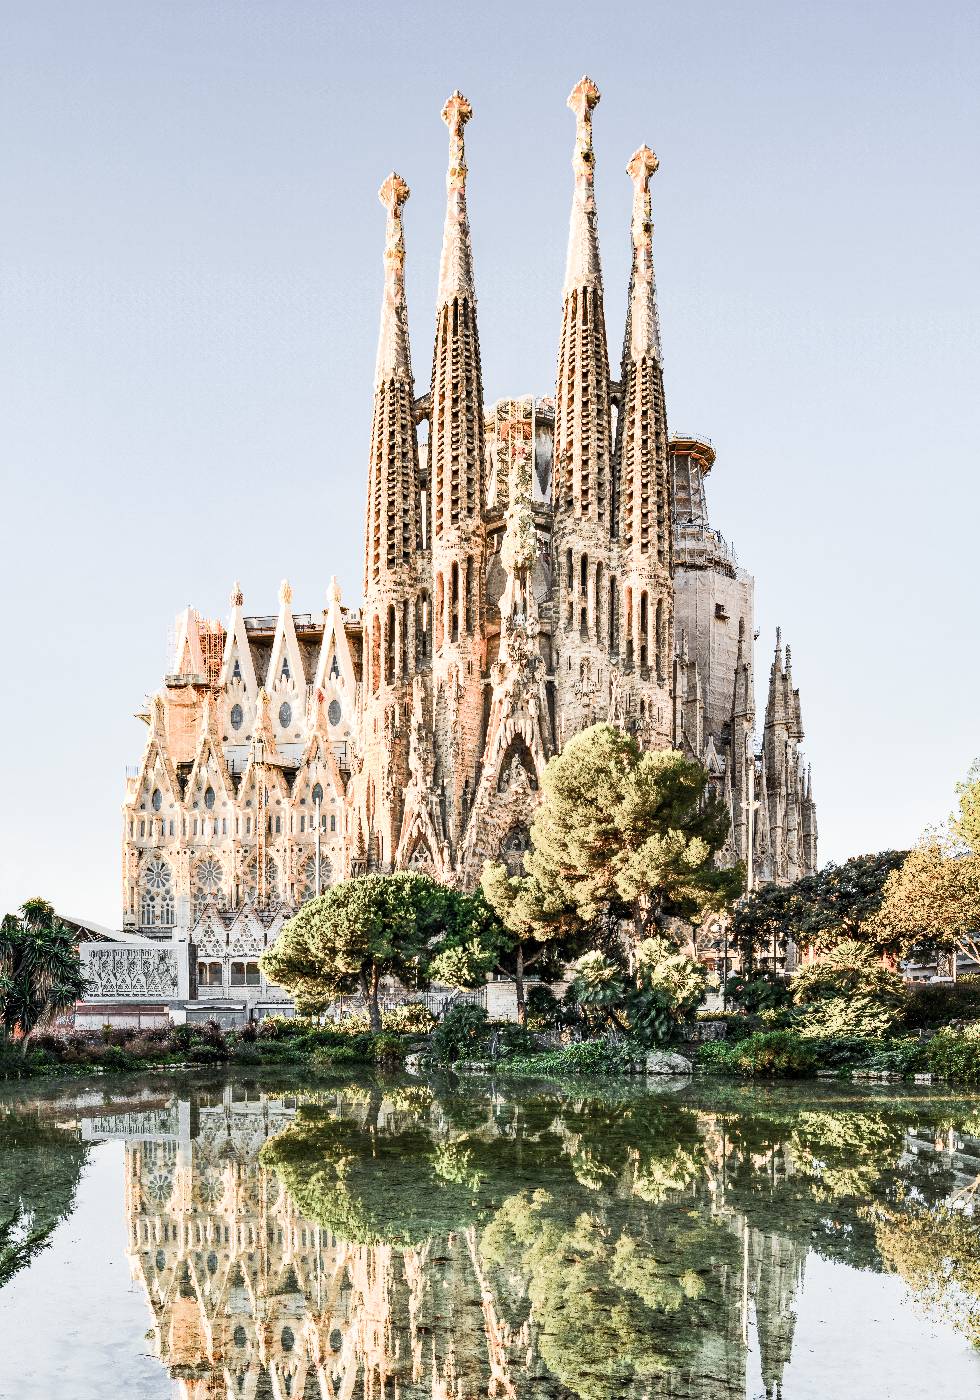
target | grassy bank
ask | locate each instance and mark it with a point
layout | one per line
(274, 1042)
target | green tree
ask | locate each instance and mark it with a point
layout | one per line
(966, 826)
(40, 971)
(347, 940)
(629, 833)
(849, 992)
(819, 910)
(622, 836)
(932, 903)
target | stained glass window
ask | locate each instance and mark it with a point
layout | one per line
(209, 798)
(157, 799)
(285, 714)
(334, 712)
(317, 793)
(237, 717)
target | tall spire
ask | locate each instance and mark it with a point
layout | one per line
(644, 465)
(583, 447)
(582, 268)
(456, 438)
(456, 265)
(394, 354)
(393, 525)
(643, 322)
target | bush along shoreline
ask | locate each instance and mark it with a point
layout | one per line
(813, 1036)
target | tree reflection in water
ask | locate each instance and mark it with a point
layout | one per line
(368, 1240)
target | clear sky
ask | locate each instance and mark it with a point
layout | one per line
(190, 277)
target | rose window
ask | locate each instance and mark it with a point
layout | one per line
(156, 875)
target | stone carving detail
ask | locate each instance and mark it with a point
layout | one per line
(135, 972)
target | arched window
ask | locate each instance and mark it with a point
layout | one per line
(284, 673)
(237, 717)
(209, 798)
(285, 714)
(644, 625)
(317, 792)
(156, 801)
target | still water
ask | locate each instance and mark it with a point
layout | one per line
(275, 1237)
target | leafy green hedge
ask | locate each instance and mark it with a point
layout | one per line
(932, 1005)
(586, 1057)
(788, 1053)
(955, 1054)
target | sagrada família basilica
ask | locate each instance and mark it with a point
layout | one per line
(532, 566)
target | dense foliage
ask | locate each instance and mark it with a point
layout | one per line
(40, 971)
(622, 837)
(849, 992)
(818, 910)
(364, 929)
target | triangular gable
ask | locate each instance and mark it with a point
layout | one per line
(209, 752)
(237, 649)
(335, 665)
(156, 758)
(286, 659)
(318, 751)
(188, 659)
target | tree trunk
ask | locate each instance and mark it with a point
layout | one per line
(519, 986)
(374, 1011)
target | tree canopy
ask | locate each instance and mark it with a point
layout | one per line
(372, 926)
(932, 903)
(40, 970)
(820, 910)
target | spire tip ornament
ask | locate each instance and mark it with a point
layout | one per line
(394, 193)
(285, 593)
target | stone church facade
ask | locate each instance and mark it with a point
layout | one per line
(531, 567)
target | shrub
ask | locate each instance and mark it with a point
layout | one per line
(757, 991)
(932, 1005)
(411, 1018)
(543, 1008)
(508, 1040)
(460, 1033)
(282, 1027)
(328, 1055)
(598, 1056)
(765, 1052)
(955, 1054)
(387, 1050)
(849, 993)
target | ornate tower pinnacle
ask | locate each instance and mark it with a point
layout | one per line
(393, 526)
(643, 320)
(394, 353)
(583, 444)
(456, 265)
(456, 439)
(582, 265)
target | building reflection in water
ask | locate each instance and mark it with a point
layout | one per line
(370, 1243)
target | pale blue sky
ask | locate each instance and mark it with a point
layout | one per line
(190, 274)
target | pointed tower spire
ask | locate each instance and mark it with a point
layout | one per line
(394, 353)
(644, 464)
(583, 447)
(456, 437)
(393, 525)
(582, 267)
(456, 265)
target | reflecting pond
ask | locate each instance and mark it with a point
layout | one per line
(209, 1237)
